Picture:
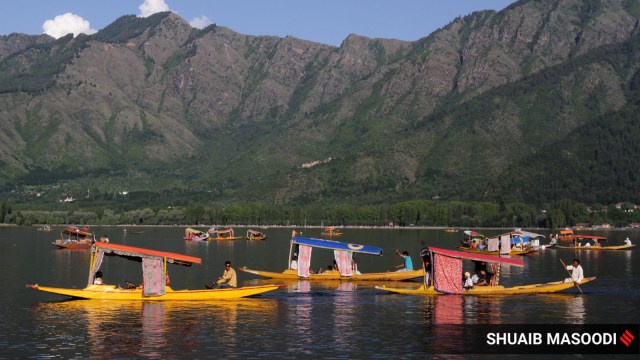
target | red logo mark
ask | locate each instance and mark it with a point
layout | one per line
(627, 338)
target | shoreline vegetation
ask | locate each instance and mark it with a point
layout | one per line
(352, 227)
(415, 214)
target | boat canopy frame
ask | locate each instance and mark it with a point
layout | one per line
(151, 261)
(331, 245)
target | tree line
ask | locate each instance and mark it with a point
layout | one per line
(560, 213)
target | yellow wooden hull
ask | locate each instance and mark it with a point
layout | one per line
(615, 247)
(496, 253)
(335, 275)
(112, 292)
(225, 238)
(551, 287)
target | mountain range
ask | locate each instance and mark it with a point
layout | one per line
(537, 102)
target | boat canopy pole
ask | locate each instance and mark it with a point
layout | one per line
(293, 234)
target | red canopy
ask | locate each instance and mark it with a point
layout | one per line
(125, 250)
(477, 257)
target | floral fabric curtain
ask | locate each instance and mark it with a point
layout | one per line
(153, 278)
(447, 274)
(304, 260)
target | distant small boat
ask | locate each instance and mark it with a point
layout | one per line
(451, 230)
(331, 231)
(255, 235)
(195, 235)
(76, 238)
(125, 231)
(45, 228)
(222, 234)
(593, 243)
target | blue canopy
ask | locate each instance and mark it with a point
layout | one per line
(336, 245)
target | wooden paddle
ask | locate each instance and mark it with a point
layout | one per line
(571, 276)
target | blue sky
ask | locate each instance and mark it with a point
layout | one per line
(324, 21)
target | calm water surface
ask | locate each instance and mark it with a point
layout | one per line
(320, 320)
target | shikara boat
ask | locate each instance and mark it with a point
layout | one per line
(343, 253)
(255, 235)
(222, 234)
(331, 231)
(155, 279)
(513, 252)
(46, 228)
(74, 238)
(446, 277)
(594, 243)
(195, 235)
(470, 236)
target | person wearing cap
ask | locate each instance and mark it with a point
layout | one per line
(468, 283)
(228, 278)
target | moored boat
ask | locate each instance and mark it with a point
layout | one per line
(155, 279)
(446, 277)
(195, 235)
(331, 231)
(222, 234)
(255, 235)
(72, 238)
(344, 255)
(512, 252)
(46, 228)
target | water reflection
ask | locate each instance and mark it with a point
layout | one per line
(344, 309)
(110, 329)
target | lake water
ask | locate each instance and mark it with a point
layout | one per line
(319, 320)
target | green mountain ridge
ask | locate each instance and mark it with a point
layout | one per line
(494, 106)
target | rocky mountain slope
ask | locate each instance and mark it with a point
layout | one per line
(154, 105)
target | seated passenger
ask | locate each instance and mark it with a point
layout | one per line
(468, 282)
(98, 279)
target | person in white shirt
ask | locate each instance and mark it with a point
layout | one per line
(294, 263)
(576, 272)
(468, 282)
(627, 241)
(98, 278)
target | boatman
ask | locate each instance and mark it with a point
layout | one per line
(576, 274)
(408, 264)
(228, 278)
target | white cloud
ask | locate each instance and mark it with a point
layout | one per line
(65, 24)
(150, 7)
(200, 22)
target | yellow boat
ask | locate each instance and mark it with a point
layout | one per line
(597, 248)
(255, 235)
(222, 234)
(290, 274)
(513, 252)
(155, 280)
(447, 277)
(594, 242)
(551, 287)
(344, 255)
(331, 231)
